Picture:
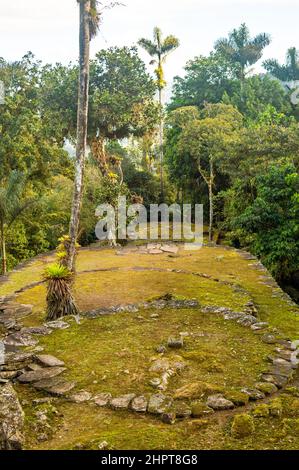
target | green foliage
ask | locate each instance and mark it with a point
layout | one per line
(57, 271)
(159, 49)
(269, 218)
(206, 79)
(287, 72)
(241, 49)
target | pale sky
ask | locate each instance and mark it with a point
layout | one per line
(49, 28)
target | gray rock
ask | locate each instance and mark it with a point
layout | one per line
(233, 315)
(284, 353)
(159, 404)
(18, 358)
(259, 326)
(279, 362)
(169, 417)
(81, 397)
(33, 366)
(122, 402)
(48, 361)
(253, 394)
(277, 380)
(139, 404)
(20, 339)
(37, 330)
(160, 365)
(247, 320)
(40, 374)
(55, 386)
(169, 249)
(103, 399)
(281, 371)
(286, 344)
(57, 325)
(268, 338)
(155, 383)
(11, 419)
(218, 402)
(182, 410)
(9, 375)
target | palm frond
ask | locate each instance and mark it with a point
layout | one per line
(169, 44)
(149, 46)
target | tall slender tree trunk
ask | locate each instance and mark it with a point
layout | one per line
(161, 142)
(82, 120)
(3, 248)
(211, 201)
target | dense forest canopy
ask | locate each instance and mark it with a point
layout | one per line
(230, 140)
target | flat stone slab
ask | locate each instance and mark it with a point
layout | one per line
(11, 419)
(57, 325)
(103, 399)
(159, 404)
(20, 339)
(37, 330)
(18, 358)
(155, 252)
(253, 394)
(55, 386)
(269, 339)
(277, 380)
(259, 326)
(218, 402)
(122, 402)
(247, 320)
(47, 360)
(139, 404)
(81, 397)
(169, 249)
(40, 374)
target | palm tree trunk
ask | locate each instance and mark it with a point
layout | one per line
(161, 141)
(3, 248)
(82, 119)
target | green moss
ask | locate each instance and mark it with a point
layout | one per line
(261, 411)
(266, 388)
(275, 407)
(242, 426)
(238, 398)
(196, 390)
(291, 426)
(99, 353)
(199, 409)
(294, 391)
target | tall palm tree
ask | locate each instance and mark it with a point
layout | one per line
(12, 205)
(89, 23)
(159, 49)
(241, 49)
(287, 72)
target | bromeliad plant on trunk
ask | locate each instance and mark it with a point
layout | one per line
(60, 301)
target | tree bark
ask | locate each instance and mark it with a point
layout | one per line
(161, 141)
(211, 201)
(82, 120)
(3, 249)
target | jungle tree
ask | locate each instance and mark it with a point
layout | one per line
(89, 23)
(241, 49)
(159, 49)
